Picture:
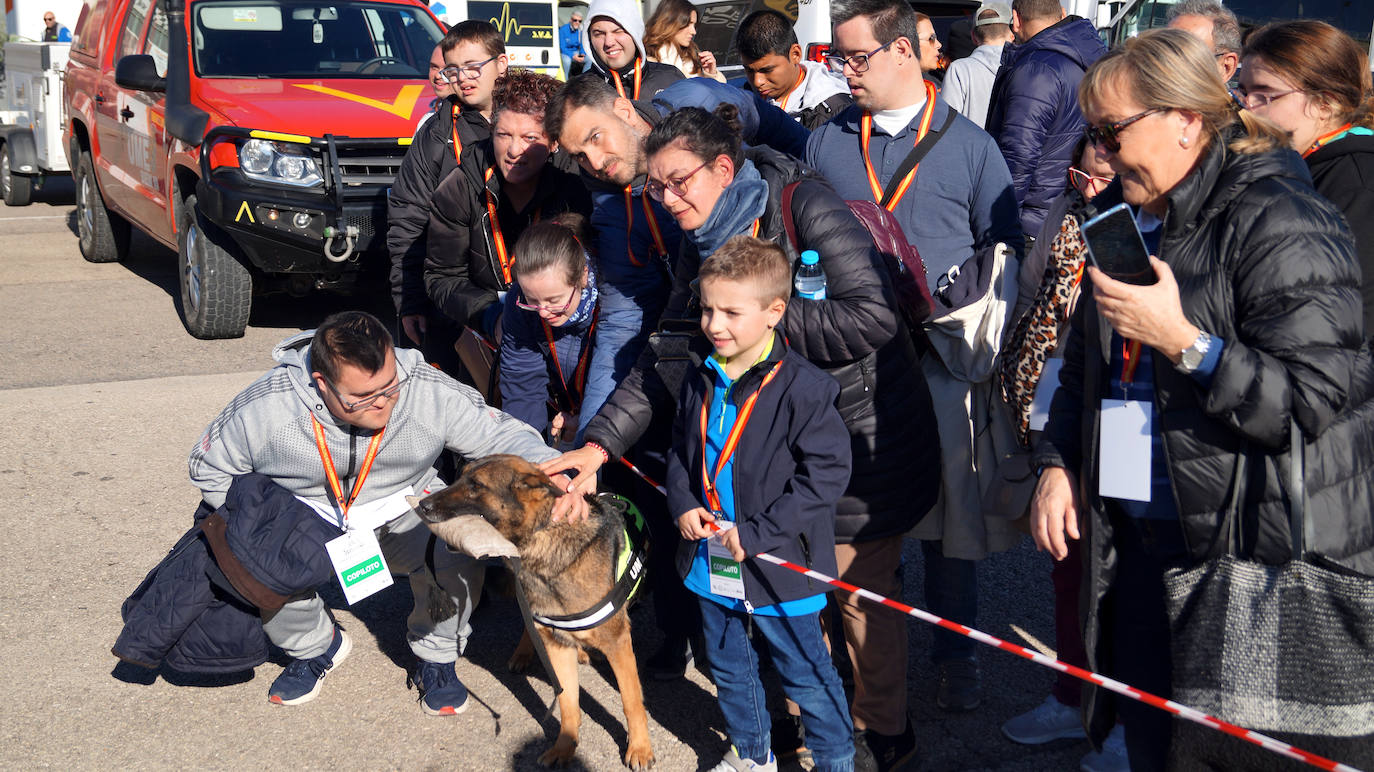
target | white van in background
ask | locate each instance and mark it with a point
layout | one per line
(530, 28)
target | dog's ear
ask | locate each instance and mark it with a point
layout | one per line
(537, 493)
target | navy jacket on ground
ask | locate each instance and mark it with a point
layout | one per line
(792, 465)
(187, 613)
(1034, 114)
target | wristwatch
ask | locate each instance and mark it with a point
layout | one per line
(1191, 358)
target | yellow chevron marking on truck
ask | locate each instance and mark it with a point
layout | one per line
(402, 106)
(280, 137)
(243, 209)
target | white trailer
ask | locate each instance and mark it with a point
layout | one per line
(32, 112)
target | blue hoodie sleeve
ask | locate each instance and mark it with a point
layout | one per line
(761, 122)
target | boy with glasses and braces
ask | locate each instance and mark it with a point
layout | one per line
(351, 425)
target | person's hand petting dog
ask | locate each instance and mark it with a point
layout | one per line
(571, 506)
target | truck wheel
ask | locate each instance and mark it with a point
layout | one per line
(104, 235)
(17, 188)
(216, 289)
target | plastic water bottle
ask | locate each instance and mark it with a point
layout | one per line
(810, 279)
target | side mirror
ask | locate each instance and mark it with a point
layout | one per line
(139, 72)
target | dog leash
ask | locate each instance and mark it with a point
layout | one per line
(1168, 706)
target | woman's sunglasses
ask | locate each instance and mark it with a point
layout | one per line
(1108, 135)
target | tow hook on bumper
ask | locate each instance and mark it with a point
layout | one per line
(349, 236)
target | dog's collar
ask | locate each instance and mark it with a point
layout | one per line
(630, 564)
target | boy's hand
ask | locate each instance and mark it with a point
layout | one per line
(692, 524)
(730, 540)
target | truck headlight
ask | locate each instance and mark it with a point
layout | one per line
(279, 162)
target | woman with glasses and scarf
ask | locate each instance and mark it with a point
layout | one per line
(548, 329)
(1313, 81)
(716, 190)
(1253, 323)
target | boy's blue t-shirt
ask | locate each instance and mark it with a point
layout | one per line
(721, 419)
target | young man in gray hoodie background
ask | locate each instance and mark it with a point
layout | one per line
(352, 425)
(968, 81)
(614, 36)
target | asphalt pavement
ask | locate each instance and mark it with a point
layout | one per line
(104, 393)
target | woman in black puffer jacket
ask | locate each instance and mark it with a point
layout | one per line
(1254, 323)
(855, 334)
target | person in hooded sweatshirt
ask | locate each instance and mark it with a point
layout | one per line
(774, 69)
(614, 36)
(968, 81)
(1034, 114)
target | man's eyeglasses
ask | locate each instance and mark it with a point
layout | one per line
(49, 18)
(1253, 99)
(550, 310)
(655, 189)
(858, 62)
(453, 72)
(1082, 181)
(1108, 136)
(389, 392)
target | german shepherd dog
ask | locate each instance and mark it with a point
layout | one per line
(566, 569)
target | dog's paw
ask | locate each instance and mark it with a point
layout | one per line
(561, 754)
(582, 657)
(520, 661)
(639, 756)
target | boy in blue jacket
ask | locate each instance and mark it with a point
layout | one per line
(760, 452)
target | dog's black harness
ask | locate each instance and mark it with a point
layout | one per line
(629, 572)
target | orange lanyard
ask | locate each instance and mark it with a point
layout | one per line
(1324, 139)
(620, 87)
(782, 103)
(866, 133)
(653, 227)
(1130, 359)
(332, 474)
(457, 141)
(497, 238)
(708, 481)
(583, 359)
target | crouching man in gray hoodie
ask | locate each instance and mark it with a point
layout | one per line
(351, 425)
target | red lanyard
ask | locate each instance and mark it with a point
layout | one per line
(1324, 139)
(866, 132)
(708, 481)
(782, 103)
(457, 141)
(332, 475)
(583, 359)
(1130, 359)
(630, 224)
(620, 87)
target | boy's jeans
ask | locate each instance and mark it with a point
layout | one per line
(808, 677)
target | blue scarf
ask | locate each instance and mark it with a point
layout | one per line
(587, 302)
(739, 205)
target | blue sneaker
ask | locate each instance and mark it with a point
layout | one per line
(441, 693)
(301, 680)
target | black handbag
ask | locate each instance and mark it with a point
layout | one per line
(1275, 648)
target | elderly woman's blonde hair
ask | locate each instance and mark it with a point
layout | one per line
(1171, 69)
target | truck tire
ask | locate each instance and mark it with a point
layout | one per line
(104, 235)
(17, 188)
(216, 288)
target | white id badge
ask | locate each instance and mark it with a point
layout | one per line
(727, 575)
(1044, 394)
(359, 564)
(1123, 449)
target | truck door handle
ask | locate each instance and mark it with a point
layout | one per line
(126, 113)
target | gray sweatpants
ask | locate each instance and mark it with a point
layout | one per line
(438, 626)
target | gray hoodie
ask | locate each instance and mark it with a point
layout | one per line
(968, 82)
(267, 429)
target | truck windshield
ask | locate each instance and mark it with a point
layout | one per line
(266, 39)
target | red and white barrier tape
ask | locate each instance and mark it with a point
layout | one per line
(1168, 706)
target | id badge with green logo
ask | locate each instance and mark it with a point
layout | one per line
(727, 574)
(359, 564)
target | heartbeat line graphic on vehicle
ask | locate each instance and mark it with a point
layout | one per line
(509, 27)
(402, 106)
